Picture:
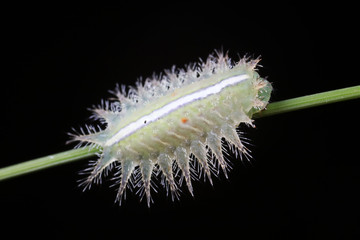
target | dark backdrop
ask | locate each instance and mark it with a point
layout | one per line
(60, 60)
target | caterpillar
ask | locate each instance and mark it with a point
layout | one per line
(174, 126)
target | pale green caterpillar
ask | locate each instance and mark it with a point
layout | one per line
(176, 123)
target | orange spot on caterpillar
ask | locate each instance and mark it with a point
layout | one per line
(184, 120)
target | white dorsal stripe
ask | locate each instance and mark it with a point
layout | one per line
(174, 105)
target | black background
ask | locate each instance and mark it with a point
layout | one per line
(62, 59)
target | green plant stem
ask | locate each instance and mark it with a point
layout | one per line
(45, 162)
(308, 101)
(272, 109)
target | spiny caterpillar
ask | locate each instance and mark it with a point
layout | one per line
(173, 125)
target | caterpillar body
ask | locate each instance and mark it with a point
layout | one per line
(175, 125)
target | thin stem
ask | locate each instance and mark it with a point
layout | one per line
(45, 162)
(308, 101)
(272, 109)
